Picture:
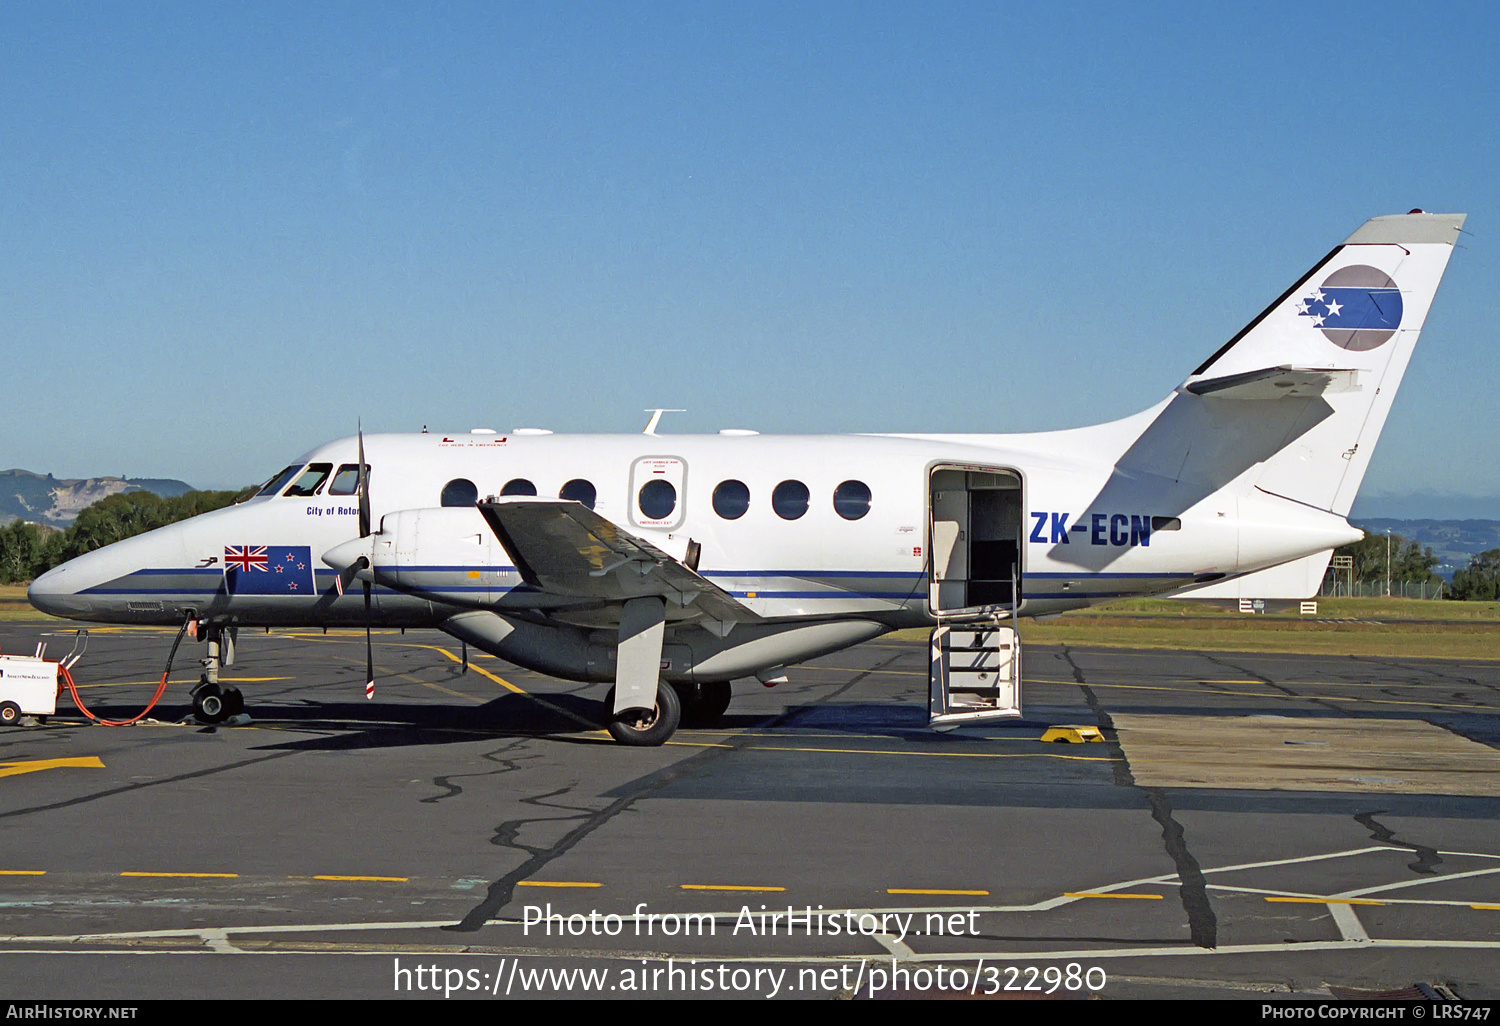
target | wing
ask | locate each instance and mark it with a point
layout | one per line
(565, 548)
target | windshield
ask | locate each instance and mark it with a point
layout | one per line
(346, 481)
(279, 481)
(311, 480)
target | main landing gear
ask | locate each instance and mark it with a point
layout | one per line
(693, 705)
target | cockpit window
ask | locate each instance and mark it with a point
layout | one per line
(278, 482)
(346, 481)
(311, 481)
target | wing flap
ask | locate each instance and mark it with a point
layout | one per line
(565, 548)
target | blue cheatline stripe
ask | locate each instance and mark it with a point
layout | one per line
(908, 574)
(200, 570)
(1091, 575)
(832, 594)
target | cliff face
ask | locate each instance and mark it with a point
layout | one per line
(44, 499)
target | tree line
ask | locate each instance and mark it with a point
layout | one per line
(1411, 563)
(29, 550)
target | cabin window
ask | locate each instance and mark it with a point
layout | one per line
(279, 482)
(346, 481)
(518, 486)
(311, 481)
(579, 490)
(731, 499)
(789, 500)
(851, 500)
(658, 498)
(459, 492)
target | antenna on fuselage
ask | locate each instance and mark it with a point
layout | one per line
(656, 419)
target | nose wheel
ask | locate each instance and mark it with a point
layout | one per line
(213, 703)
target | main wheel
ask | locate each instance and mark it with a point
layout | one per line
(642, 728)
(704, 704)
(10, 714)
(209, 704)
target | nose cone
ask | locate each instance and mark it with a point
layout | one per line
(56, 591)
(350, 556)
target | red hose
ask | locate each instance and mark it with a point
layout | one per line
(160, 689)
(78, 701)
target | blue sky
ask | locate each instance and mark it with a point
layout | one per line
(229, 231)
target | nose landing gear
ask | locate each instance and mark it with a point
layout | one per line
(213, 702)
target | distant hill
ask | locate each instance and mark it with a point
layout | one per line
(1452, 541)
(44, 499)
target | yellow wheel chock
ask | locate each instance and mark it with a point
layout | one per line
(1073, 734)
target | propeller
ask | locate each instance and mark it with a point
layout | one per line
(364, 532)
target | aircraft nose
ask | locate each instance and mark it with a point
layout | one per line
(56, 591)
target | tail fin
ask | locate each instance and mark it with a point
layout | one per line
(1294, 403)
(1341, 337)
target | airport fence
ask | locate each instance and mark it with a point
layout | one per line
(1379, 589)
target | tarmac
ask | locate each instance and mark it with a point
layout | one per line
(1252, 826)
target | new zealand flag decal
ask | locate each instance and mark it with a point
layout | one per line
(1356, 308)
(268, 569)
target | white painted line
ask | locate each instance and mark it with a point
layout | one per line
(897, 949)
(1347, 920)
(1415, 883)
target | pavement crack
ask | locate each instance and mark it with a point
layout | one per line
(1427, 858)
(1203, 925)
(505, 765)
(502, 891)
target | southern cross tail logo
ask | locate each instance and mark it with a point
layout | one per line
(1357, 307)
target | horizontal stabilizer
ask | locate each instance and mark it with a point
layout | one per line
(565, 548)
(1277, 383)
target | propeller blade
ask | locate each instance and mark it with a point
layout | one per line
(369, 651)
(364, 491)
(349, 573)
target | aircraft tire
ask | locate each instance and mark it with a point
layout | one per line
(209, 703)
(10, 714)
(644, 731)
(234, 702)
(704, 704)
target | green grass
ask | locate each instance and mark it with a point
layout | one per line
(1405, 628)
(13, 604)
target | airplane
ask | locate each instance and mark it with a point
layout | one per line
(673, 565)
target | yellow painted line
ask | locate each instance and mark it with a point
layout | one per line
(1327, 901)
(727, 887)
(935, 755)
(1487, 908)
(363, 879)
(556, 883)
(920, 890)
(591, 725)
(11, 769)
(23, 872)
(1112, 894)
(212, 876)
(153, 683)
